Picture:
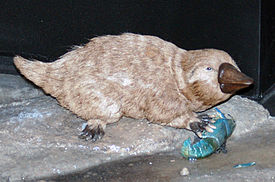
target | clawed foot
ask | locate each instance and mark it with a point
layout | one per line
(93, 134)
(205, 124)
(205, 118)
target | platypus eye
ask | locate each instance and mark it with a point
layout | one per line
(208, 68)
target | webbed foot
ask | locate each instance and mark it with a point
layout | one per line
(92, 133)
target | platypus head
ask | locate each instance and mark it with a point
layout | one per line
(211, 76)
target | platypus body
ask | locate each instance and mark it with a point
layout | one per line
(137, 76)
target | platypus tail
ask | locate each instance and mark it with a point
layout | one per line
(42, 74)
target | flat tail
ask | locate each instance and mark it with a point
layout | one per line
(39, 73)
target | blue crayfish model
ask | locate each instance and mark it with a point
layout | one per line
(210, 142)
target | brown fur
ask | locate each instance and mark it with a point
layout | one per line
(131, 75)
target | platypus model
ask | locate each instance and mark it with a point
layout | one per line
(137, 76)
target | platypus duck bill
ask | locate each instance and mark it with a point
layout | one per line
(231, 79)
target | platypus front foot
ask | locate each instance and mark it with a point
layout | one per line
(204, 124)
(205, 118)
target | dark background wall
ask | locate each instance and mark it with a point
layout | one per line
(46, 29)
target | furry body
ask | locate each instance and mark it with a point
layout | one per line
(132, 75)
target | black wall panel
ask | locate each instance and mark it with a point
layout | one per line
(46, 29)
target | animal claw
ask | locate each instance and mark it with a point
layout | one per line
(199, 134)
(205, 118)
(198, 128)
(205, 124)
(209, 129)
(212, 126)
(92, 134)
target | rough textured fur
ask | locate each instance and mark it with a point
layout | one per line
(132, 75)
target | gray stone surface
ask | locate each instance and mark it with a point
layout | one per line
(39, 138)
(14, 88)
